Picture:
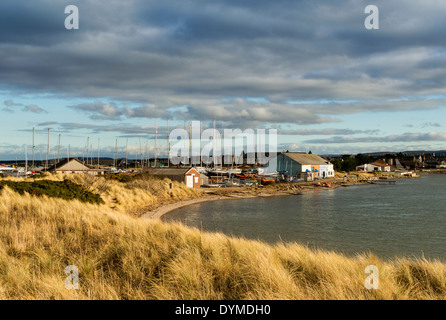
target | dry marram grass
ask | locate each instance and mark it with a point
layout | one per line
(122, 257)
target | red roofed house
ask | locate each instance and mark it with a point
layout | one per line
(379, 165)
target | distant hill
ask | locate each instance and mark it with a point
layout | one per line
(438, 153)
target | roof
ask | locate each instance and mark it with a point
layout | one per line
(306, 159)
(65, 161)
(168, 171)
(380, 163)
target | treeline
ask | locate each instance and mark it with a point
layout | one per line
(350, 162)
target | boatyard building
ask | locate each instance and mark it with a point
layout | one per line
(305, 166)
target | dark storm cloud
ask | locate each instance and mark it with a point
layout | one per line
(161, 54)
(111, 111)
(34, 23)
(124, 129)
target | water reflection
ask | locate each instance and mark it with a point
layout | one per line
(403, 219)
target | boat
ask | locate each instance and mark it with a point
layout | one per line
(202, 170)
(246, 175)
(272, 174)
(248, 183)
(234, 171)
(266, 181)
(218, 171)
(327, 185)
(213, 185)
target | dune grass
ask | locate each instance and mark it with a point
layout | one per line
(120, 256)
(132, 197)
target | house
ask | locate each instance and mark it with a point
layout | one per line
(377, 166)
(74, 165)
(442, 165)
(190, 176)
(305, 166)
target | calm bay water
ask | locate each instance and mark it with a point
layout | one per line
(405, 219)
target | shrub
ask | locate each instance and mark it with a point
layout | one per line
(66, 190)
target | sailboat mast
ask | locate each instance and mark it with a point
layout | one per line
(58, 150)
(213, 150)
(116, 154)
(201, 132)
(190, 144)
(47, 151)
(140, 152)
(99, 141)
(86, 149)
(168, 144)
(34, 146)
(126, 151)
(147, 159)
(156, 138)
(148, 154)
(254, 148)
(184, 143)
(26, 160)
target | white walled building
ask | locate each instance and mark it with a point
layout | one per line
(297, 164)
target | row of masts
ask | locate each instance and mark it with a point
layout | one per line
(87, 156)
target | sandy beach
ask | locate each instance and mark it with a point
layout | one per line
(162, 210)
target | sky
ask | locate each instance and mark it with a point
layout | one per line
(310, 69)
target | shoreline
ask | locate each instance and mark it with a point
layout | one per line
(164, 209)
(237, 193)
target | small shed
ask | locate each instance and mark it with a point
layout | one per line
(190, 176)
(204, 179)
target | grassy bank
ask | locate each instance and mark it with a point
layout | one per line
(122, 257)
(129, 195)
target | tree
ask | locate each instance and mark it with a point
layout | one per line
(349, 164)
(337, 164)
(362, 159)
